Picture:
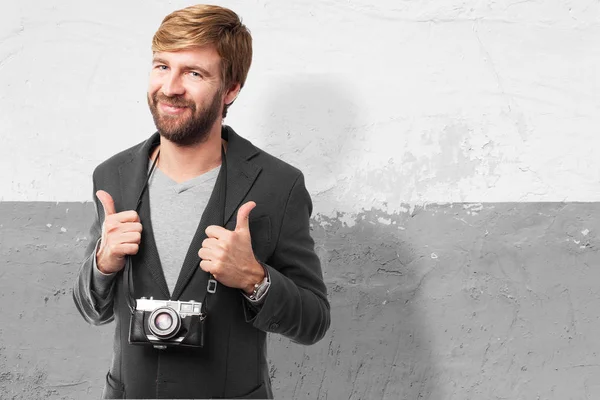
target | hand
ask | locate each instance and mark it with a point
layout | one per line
(228, 255)
(121, 235)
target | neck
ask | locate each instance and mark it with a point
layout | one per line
(182, 163)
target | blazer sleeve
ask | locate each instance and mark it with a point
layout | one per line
(95, 304)
(296, 304)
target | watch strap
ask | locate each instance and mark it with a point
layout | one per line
(260, 289)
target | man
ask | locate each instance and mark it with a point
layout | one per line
(268, 277)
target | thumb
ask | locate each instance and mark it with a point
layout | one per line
(243, 214)
(107, 202)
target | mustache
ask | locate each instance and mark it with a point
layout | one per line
(176, 101)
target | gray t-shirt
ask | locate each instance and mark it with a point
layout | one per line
(175, 210)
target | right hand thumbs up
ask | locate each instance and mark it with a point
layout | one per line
(121, 235)
(107, 202)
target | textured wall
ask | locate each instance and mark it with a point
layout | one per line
(403, 102)
(497, 301)
(449, 147)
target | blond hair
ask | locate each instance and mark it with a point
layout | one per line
(202, 25)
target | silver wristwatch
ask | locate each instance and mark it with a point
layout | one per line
(260, 289)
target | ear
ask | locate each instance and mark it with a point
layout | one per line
(232, 93)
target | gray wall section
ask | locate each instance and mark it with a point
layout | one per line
(454, 301)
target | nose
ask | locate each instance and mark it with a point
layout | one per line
(172, 86)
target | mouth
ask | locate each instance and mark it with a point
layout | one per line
(171, 109)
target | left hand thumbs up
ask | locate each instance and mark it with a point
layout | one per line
(243, 216)
(228, 255)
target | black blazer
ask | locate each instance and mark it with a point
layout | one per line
(233, 361)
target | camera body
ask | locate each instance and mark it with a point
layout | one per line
(166, 323)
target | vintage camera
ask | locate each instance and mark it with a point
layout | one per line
(164, 323)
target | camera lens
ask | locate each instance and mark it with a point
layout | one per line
(163, 321)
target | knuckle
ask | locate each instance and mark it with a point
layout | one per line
(110, 248)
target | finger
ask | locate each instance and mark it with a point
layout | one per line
(217, 232)
(130, 227)
(243, 215)
(107, 202)
(205, 254)
(206, 265)
(214, 255)
(210, 243)
(130, 237)
(127, 216)
(127, 248)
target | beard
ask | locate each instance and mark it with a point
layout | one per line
(183, 129)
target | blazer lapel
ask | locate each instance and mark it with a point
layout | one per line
(241, 174)
(133, 177)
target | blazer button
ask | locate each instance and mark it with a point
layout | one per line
(274, 326)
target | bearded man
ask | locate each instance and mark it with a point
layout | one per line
(200, 244)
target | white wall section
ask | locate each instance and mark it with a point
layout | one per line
(380, 105)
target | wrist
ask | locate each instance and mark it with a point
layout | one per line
(257, 277)
(99, 266)
(99, 263)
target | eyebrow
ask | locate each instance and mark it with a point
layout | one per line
(158, 60)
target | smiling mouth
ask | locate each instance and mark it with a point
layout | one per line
(171, 109)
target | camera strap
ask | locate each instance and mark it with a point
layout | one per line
(211, 286)
(212, 282)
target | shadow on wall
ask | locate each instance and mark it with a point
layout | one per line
(311, 122)
(378, 345)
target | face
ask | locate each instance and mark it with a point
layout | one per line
(185, 95)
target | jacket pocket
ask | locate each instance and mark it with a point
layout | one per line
(260, 227)
(113, 389)
(258, 393)
(260, 233)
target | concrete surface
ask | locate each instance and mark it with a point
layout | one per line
(463, 301)
(450, 150)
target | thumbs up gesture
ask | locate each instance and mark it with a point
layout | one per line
(121, 235)
(228, 255)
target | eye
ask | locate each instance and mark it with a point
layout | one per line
(195, 74)
(161, 67)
